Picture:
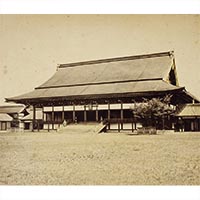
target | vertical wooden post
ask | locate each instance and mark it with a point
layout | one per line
(74, 114)
(85, 113)
(122, 115)
(108, 110)
(33, 118)
(183, 124)
(38, 126)
(63, 114)
(52, 117)
(118, 126)
(132, 126)
(48, 126)
(135, 119)
(42, 117)
(42, 113)
(196, 124)
(163, 122)
(108, 115)
(97, 113)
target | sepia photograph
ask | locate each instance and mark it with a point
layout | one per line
(100, 99)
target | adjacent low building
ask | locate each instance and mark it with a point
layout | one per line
(188, 118)
(5, 122)
(11, 115)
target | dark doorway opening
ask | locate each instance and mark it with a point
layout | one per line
(68, 116)
(103, 114)
(27, 126)
(80, 116)
(115, 114)
(128, 114)
(91, 116)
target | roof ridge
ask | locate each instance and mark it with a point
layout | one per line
(152, 55)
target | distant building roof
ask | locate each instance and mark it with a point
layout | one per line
(115, 77)
(11, 109)
(5, 117)
(190, 110)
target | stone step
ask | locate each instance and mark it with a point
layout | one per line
(80, 128)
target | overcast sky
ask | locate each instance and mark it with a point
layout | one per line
(31, 46)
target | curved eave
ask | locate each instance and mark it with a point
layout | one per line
(96, 96)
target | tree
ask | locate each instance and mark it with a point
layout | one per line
(150, 111)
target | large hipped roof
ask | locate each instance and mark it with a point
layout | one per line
(115, 77)
(110, 70)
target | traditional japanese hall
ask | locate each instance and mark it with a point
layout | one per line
(105, 89)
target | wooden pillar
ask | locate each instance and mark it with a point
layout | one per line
(135, 119)
(48, 126)
(118, 126)
(163, 123)
(33, 118)
(74, 114)
(85, 113)
(121, 115)
(42, 113)
(196, 124)
(52, 117)
(108, 115)
(108, 111)
(38, 126)
(42, 117)
(183, 124)
(63, 114)
(132, 126)
(97, 113)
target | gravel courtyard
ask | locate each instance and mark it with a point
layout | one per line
(94, 159)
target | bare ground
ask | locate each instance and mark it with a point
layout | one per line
(96, 159)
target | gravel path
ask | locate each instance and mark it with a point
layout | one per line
(102, 159)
